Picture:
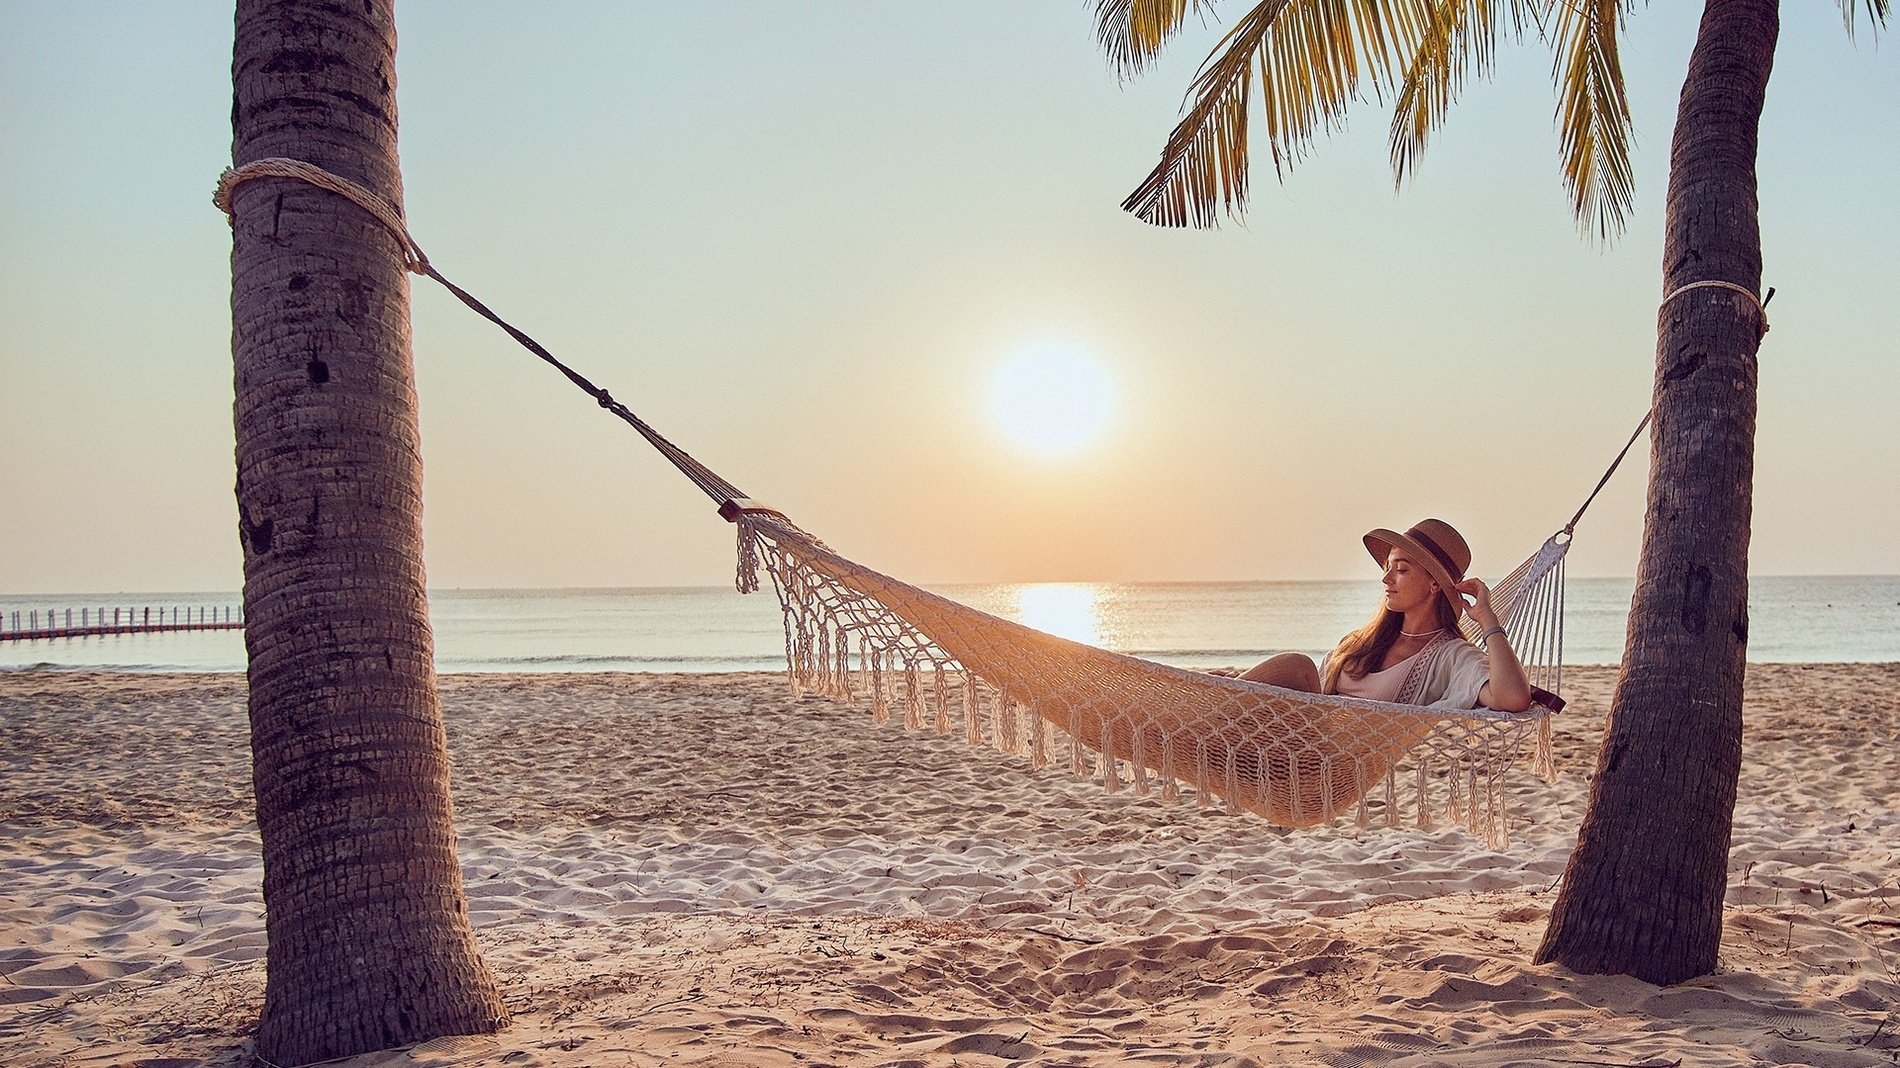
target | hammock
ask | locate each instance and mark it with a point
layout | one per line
(1297, 759)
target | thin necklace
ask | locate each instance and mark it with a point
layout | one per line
(1420, 634)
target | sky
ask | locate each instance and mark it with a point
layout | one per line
(804, 241)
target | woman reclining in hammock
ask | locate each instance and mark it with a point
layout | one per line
(1412, 652)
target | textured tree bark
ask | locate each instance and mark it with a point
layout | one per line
(370, 944)
(1643, 892)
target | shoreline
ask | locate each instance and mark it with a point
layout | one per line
(49, 668)
(859, 894)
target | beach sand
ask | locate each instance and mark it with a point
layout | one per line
(682, 869)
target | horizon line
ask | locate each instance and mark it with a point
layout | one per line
(432, 590)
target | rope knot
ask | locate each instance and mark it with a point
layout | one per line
(605, 398)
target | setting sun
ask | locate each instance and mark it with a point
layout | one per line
(1053, 400)
(1066, 609)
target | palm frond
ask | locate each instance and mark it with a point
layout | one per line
(1133, 31)
(1458, 36)
(1314, 57)
(1876, 14)
(1204, 164)
(1593, 115)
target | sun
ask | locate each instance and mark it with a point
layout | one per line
(1052, 400)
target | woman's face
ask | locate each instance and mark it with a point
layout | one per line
(1407, 585)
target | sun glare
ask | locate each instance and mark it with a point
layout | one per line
(1065, 609)
(1052, 400)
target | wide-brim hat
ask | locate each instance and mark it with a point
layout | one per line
(1434, 546)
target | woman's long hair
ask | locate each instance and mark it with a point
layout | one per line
(1361, 652)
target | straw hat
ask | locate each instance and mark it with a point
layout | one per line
(1433, 545)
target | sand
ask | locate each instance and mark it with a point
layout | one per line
(679, 869)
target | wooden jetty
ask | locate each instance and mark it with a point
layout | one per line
(96, 621)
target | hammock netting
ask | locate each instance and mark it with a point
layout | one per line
(1297, 759)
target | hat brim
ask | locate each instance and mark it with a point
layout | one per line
(1380, 544)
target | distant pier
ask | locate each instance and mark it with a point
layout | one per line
(95, 621)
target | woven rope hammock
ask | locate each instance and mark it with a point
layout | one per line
(1297, 759)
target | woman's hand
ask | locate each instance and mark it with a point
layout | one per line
(1480, 607)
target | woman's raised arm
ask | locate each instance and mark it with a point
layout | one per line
(1508, 690)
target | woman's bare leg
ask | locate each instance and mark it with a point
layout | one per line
(1292, 671)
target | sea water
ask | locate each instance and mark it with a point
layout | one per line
(1791, 619)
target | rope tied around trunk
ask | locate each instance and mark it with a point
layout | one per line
(417, 262)
(386, 213)
(1760, 302)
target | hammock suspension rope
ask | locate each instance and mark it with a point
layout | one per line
(1298, 759)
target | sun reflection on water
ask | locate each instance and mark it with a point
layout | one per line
(1069, 610)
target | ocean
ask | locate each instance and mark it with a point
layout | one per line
(1792, 620)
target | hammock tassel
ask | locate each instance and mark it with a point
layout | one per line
(1454, 794)
(1170, 786)
(1267, 778)
(1392, 797)
(801, 644)
(1230, 768)
(1497, 824)
(1010, 726)
(972, 709)
(1473, 798)
(822, 662)
(1109, 766)
(1327, 770)
(843, 670)
(1362, 817)
(1296, 795)
(1545, 763)
(913, 696)
(747, 579)
(1038, 742)
(791, 652)
(1138, 761)
(880, 698)
(940, 697)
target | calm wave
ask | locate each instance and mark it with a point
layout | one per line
(1800, 620)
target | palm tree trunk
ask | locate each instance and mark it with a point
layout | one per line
(1643, 892)
(370, 941)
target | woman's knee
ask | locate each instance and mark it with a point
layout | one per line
(1292, 671)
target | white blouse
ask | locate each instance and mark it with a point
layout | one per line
(1451, 677)
(1379, 685)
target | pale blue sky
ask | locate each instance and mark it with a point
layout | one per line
(800, 238)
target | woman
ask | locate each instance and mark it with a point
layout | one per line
(1412, 652)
